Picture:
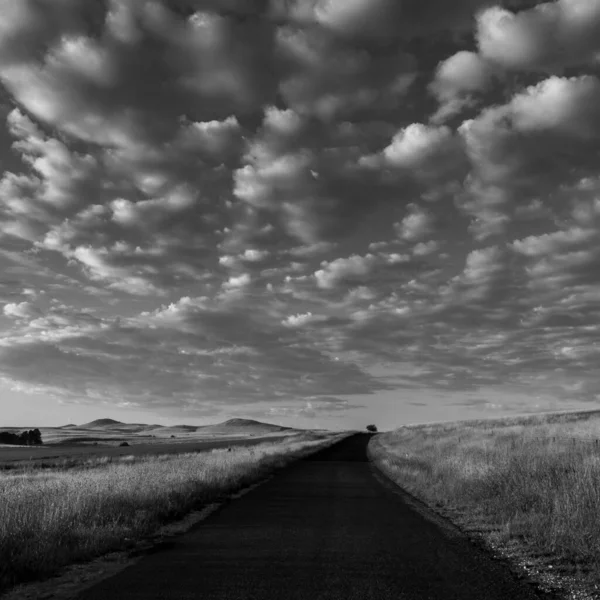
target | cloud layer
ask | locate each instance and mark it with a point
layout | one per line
(213, 205)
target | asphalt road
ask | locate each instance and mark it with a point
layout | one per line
(326, 528)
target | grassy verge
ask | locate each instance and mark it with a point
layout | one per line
(56, 517)
(536, 483)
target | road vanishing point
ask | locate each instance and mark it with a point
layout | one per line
(327, 527)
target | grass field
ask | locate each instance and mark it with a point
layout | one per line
(59, 454)
(532, 479)
(54, 517)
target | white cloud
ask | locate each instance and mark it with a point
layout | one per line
(20, 310)
(253, 255)
(547, 37)
(299, 320)
(480, 263)
(550, 243)
(355, 17)
(236, 282)
(342, 269)
(425, 248)
(457, 78)
(417, 145)
(416, 225)
(571, 105)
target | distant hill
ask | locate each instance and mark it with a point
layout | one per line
(244, 426)
(229, 427)
(249, 423)
(100, 423)
(162, 430)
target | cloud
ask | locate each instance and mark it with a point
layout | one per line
(546, 37)
(20, 310)
(355, 16)
(331, 79)
(97, 89)
(343, 269)
(457, 79)
(302, 319)
(237, 281)
(189, 350)
(560, 104)
(266, 205)
(305, 177)
(416, 225)
(550, 243)
(425, 248)
(422, 149)
(383, 19)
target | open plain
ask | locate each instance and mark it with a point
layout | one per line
(75, 443)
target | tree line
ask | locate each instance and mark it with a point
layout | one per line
(33, 437)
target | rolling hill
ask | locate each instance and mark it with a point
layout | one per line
(229, 427)
(100, 424)
(245, 426)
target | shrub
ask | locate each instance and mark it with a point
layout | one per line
(372, 428)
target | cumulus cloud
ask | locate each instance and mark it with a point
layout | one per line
(417, 224)
(420, 149)
(457, 80)
(343, 269)
(303, 319)
(20, 310)
(238, 281)
(568, 105)
(549, 243)
(547, 37)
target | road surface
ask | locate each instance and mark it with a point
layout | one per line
(326, 528)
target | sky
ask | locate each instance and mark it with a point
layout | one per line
(320, 213)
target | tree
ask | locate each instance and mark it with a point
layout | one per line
(36, 436)
(33, 437)
(6, 437)
(372, 428)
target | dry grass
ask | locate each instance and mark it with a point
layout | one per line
(538, 479)
(55, 517)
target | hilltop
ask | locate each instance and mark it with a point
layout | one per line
(100, 423)
(249, 423)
